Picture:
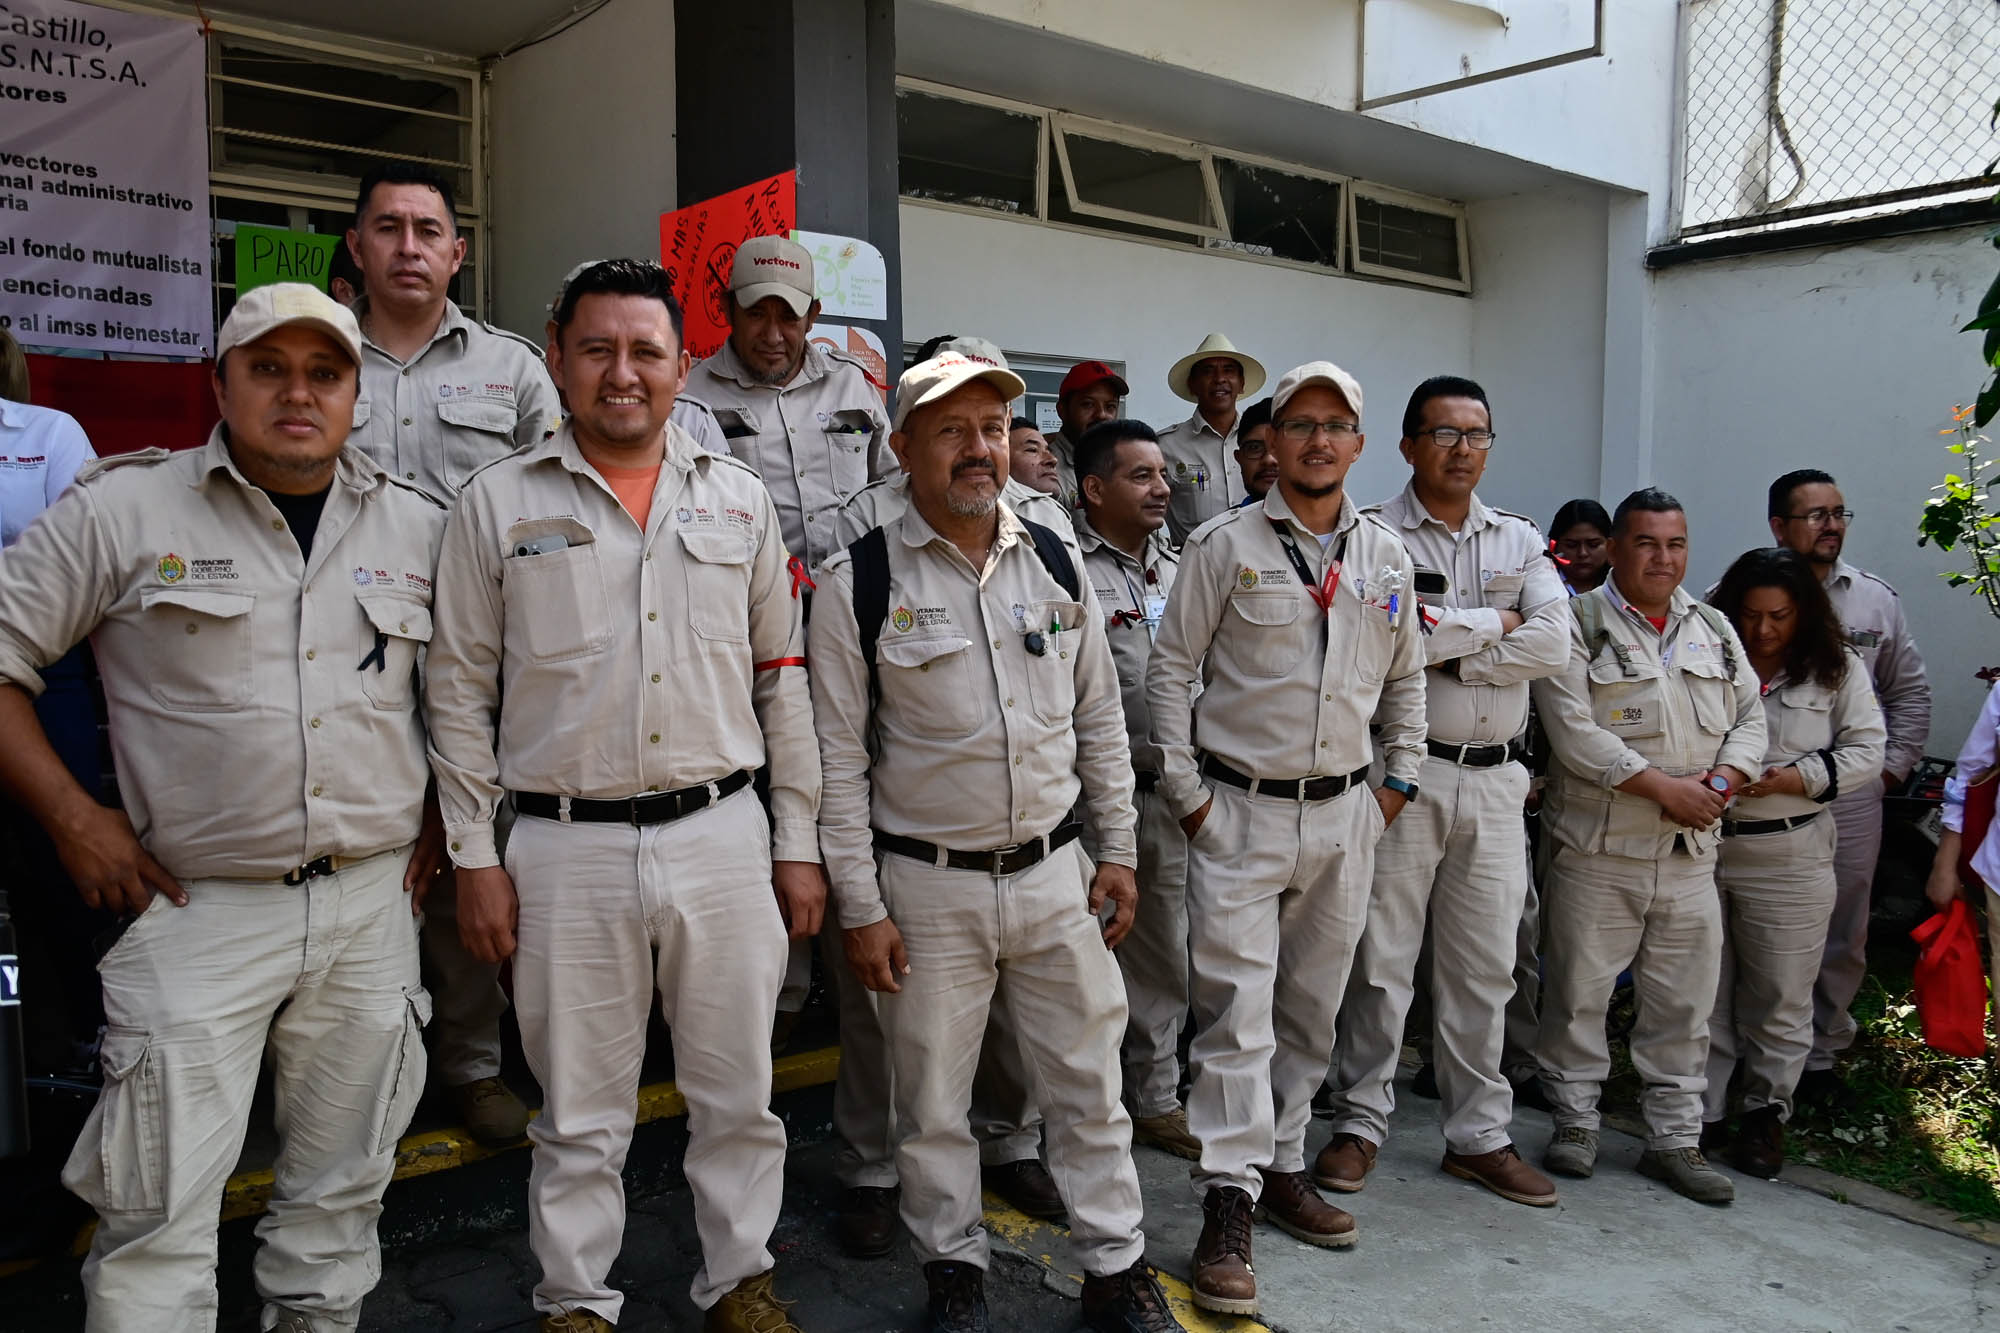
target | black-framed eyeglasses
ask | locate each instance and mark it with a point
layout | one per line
(1819, 518)
(1447, 437)
(1299, 431)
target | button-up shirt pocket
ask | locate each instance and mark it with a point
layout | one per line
(1269, 642)
(1802, 722)
(1503, 592)
(1629, 705)
(476, 431)
(554, 602)
(205, 663)
(928, 682)
(718, 584)
(1052, 676)
(848, 435)
(1710, 691)
(398, 627)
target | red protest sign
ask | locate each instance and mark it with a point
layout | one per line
(698, 244)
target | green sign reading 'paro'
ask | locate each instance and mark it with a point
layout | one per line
(269, 254)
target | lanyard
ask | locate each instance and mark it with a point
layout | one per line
(1320, 590)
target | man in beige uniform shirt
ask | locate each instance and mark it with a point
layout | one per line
(442, 395)
(1455, 859)
(1653, 724)
(1090, 392)
(632, 593)
(952, 768)
(1808, 515)
(257, 607)
(1201, 451)
(1298, 619)
(1131, 570)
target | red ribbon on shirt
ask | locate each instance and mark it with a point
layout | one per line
(800, 578)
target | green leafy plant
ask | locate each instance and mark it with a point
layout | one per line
(1956, 516)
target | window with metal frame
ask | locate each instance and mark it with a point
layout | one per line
(973, 154)
(1280, 212)
(1144, 180)
(1406, 236)
(294, 123)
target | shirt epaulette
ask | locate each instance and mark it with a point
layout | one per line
(847, 359)
(1508, 513)
(1376, 508)
(515, 452)
(1229, 515)
(730, 460)
(415, 489)
(1877, 578)
(511, 336)
(97, 467)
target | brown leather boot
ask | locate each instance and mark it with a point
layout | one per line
(753, 1307)
(1759, 1149)
(1503, 1172)
(1291, 1204)
(1344, 1163)
(1223, 1279)
(868, 1220)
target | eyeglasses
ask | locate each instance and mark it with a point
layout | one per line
(1447, 437)
(1252, 449)
(1820, 518)
(1299, 431)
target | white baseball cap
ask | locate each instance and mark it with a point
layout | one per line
(945, 373)
(1316, 372)
(262, 309)
(975, 349)
(773, 266)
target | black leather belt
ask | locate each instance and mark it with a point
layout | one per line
(325, 865)
(1285, 789)
(654, 808)
(1145, 779)
(1000, 861)
(1741, 828)
(1478, 756)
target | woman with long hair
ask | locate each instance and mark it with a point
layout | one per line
(1580, 540)
(1775, 875)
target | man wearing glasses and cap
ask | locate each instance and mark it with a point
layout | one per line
(805, 417)
(1298, 621)
(273, 848)
(1200, 451)
(1808, 515)
(1089, 393)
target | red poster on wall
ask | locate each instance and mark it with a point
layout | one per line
(698, 244)
(128, 405)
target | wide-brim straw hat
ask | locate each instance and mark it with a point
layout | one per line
(1214, 345)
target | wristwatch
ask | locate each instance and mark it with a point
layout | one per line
(1718, 783)
(1407, 790)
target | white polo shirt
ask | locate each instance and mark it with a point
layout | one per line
(40, 452)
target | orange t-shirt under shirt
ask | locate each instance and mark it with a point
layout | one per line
(633, 486)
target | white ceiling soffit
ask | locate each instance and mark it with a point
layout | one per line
(950, 45)
(454, 27)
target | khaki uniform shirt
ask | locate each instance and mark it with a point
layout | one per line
(1068, 489)
(473, 394)
(1287, 692)
(1806, 725)
(1132, 594)
(1476, 692)
(815, 442)
(624, 662)
(976, 742)
(1873, 617)
(880, 501)
(1202, 472)
(698, 420)
(1639, 699)
(263, 706)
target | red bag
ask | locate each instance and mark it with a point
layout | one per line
(1978, 817)
(1951, 984)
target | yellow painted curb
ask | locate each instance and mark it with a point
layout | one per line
(1036, 1240)
(248, 1192)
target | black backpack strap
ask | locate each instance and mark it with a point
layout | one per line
(870, 553)
(1055, 559)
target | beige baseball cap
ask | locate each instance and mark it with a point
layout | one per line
(975, 349)
(773, 266)
(1316, 372)
(262, 309)
(928, 381)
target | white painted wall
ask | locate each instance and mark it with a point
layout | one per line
(1538, 270)
(1845, 359)
(582, 129)
(1534, 335)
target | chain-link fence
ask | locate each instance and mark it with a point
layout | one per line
(1802, 109)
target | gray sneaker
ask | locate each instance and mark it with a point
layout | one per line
(1686, 1171)
(1572, 1152)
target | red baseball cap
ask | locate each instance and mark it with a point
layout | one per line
(1086, 373)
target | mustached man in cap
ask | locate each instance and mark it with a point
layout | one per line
(1296, 623)
(966, 702)
(257, 607)
(1200, 452)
